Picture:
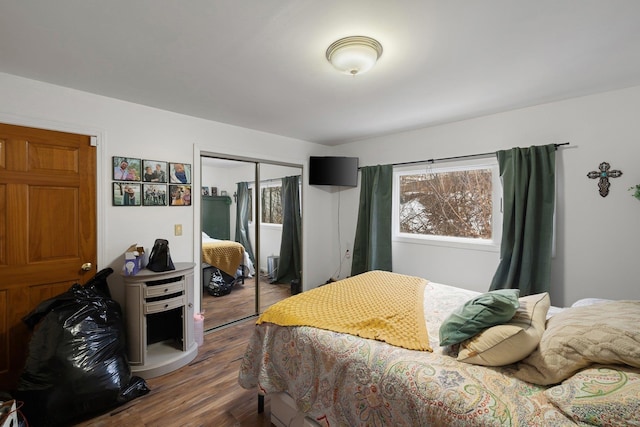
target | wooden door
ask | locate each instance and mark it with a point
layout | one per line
(47, 228)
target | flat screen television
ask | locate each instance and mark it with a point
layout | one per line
(341, 171)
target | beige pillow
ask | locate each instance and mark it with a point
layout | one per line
(577, 337)
(510, 342)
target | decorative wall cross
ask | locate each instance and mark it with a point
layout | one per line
(604, 176)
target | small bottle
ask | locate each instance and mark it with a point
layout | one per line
(198, 328)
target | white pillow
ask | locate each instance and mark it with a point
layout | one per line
(589, 301)
(512, 341)
(205, 235)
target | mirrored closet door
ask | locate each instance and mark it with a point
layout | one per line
(250, 219)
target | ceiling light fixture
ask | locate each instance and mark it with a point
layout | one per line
(354, 55)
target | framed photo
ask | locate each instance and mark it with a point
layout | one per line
(154, 171)
(179, 195)
(126, 194)
(126, 169)
(180, 173)
(214, 191)
(223, 193)
(154, 194)
(205, 191)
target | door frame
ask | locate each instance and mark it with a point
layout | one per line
(102, 182)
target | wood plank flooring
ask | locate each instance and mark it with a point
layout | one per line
(204, 393)
(241, 302)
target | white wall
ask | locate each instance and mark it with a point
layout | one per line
(126, 129)
(598, 239)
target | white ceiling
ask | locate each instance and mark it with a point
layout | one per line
(260, 64)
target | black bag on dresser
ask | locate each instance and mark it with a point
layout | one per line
(160, 258)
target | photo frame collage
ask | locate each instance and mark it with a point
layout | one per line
(141, 182)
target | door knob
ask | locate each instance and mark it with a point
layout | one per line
(86, 266)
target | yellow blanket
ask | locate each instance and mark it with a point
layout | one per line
(377, 305)
(225, 255)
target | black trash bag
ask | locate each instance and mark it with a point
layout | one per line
(99, 282)
(220, 283)
(77, 365)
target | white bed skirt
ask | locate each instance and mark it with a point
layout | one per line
(284, 412)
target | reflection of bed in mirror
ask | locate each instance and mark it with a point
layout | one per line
(228, 257)
(222, 257)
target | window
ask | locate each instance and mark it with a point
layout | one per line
(271, 204)
(448, 205)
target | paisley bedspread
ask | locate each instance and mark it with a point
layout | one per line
(343, 380)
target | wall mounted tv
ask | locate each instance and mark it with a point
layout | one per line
(342, 171)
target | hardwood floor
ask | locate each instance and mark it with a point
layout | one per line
(204, 393)
(240, 303)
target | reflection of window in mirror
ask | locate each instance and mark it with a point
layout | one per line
(271, 204)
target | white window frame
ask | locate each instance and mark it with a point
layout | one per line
(492, 245)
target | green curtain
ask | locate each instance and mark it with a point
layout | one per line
(372, 243)
(528, 179)
(242, 218)
(290, 262)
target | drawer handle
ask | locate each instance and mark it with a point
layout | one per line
(166, 305)
(166, 289)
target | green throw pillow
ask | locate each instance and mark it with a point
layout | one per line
(478, 314)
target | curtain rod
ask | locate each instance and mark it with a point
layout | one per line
(457, 157)
(269, 180)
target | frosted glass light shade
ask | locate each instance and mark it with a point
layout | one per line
(354, 55)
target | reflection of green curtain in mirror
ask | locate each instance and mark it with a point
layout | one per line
(242, 218)
(372, 244)
(290, 262)
(528, 179)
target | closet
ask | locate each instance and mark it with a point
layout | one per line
(251, 188)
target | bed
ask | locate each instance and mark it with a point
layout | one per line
(317, 376)
(227, 256)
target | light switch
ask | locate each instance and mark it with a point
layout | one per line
(177, 229)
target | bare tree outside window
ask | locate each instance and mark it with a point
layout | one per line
(452, 203)
(272, 205)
